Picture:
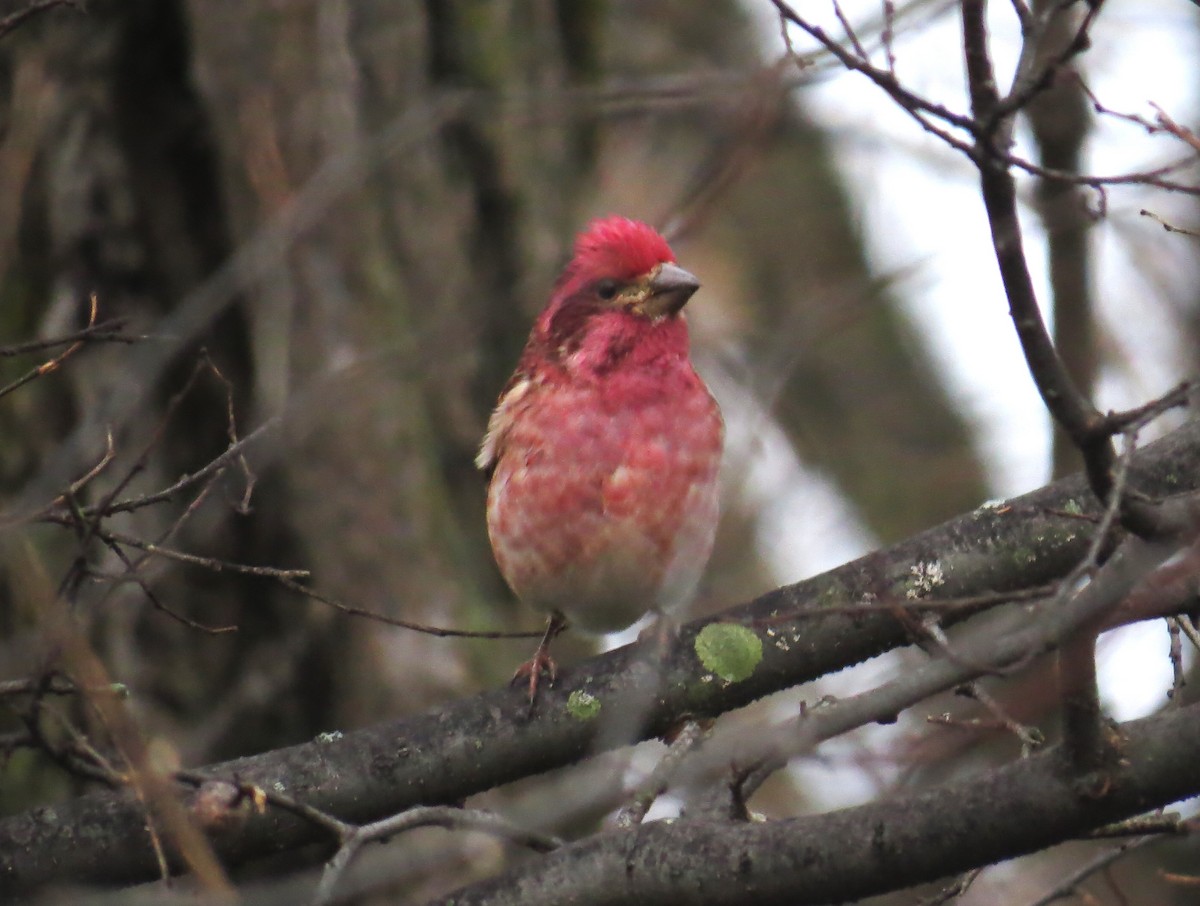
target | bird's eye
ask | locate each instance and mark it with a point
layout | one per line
(607, 289)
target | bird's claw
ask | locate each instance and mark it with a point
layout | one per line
(532, 669)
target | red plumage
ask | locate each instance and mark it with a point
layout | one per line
(605, 445)
(615, 247)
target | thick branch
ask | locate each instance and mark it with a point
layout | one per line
(1021, 808)
(477, 743)
(998, 641)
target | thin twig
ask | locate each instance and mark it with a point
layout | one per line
(243, 506)
(953, 890)
(1027, 88)
(233, 452)
(1084, 732)
(1169, 227)
(1183, 134)
(1031, 738)
(1189, 629)
(54, 363)
(215, 564)
(425, 816)
(1172, 877)
(337, 828)
(156, 602)
(921, 110)
(106, 331)
(998, 640)
(1070, 408)
(438, 631)
(887, 35)
(690, 735)
(1139, 416)
(911, 102)
(1069, 885)
(58, 684)
(15, 20)
(1165, 823)
(1178, 680)
(79, 484)
(850, 33)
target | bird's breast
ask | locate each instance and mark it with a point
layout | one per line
(604, 500)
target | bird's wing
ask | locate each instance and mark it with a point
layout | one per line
(500, 421)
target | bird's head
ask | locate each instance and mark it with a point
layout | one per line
(622, 280)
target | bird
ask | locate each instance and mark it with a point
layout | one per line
(603, 451)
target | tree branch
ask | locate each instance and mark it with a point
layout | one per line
(1069, 407)
(1020, 808)
(478, 743)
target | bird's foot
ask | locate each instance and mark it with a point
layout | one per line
(541, 660)
(532, 671)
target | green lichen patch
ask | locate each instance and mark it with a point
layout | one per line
(583, 705)
(729, 650)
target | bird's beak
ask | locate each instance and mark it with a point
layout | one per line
(669, 290)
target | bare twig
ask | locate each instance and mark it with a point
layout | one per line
(79, 484)
(243, 506)
(1172, 877)
(106, 331)
(1070, 884)
(77, 756)
(953, 890)
(1031, 738)
(54, 684)
(911, 102)
(259, 795)
(924, 112)
(234, 452)
(1027, 87)
(1176, 655)
(1183, 134)
(1061, 396)
(1189, 629)
(1024, 15)
(102, 508)
(355, 837)
(215, 564)
(995, 642)
(439, 631)
(15, 20)
(54, 363)
(850, 33)
(1170, 228)
(64, 638)
(1140, 416)
(1086, 739)
(156, 601)
(690, 735)
(887, 35)
(1165, 823)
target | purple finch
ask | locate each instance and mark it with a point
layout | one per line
(604, 447)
